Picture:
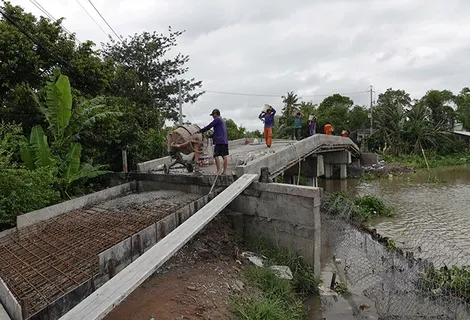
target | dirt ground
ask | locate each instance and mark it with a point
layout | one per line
(196, 283)
(385, 169)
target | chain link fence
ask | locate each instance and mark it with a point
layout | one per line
(418, 274)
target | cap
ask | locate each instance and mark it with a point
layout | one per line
(216, 112)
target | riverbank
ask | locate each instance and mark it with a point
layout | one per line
(417, 161)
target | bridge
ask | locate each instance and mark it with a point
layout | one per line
(320, 151)
(80, 258)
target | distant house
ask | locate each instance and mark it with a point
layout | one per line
(461, 134)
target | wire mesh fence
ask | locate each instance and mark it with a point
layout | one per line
(418, 274)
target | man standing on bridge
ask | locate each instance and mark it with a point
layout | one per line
(268, 118)
(219, 138)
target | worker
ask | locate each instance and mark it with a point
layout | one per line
(344, 134)
(312, 124)
(219, 138)
(297, 125)
(268, 118)
(329, 129)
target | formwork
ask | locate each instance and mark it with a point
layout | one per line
(45, 262)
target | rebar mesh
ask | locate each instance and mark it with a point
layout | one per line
(417, 274)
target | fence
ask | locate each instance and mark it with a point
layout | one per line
(418, 274)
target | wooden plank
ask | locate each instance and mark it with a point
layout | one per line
(9, 302)
(102, 301)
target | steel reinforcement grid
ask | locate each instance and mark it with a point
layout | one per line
(42, 262)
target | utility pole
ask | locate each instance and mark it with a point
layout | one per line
(180, 98)
(371, 104)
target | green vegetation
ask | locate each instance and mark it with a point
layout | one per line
(454, 281)
(359, 208)
(434, 159)
(278, 298)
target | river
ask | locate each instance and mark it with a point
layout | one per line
(433, 217)
(432, 220)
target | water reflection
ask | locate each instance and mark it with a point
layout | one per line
(432, 218)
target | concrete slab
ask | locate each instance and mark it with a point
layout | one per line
(102, 301)
(33, 217)
(66, 248)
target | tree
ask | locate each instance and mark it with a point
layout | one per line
(64, 158)
(147, 77)
(335, 110)
(27, 62)
(234, 132)
(389, 120)
(358, 118)
(462, 100)
(441, 113)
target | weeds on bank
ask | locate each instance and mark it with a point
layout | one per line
(455, 280)
(359, 208)
(434, 160)
(279, 298)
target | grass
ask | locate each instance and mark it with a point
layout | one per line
(359, 208)
(435, 160)
(279, 298)
(454, 281)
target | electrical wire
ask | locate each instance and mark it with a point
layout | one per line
(119, 37)
(279, 95)
(107, 34)
(50, 16)
(32, 39)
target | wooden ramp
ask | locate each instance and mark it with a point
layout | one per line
(102, 301)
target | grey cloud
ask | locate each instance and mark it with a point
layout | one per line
(271, 47)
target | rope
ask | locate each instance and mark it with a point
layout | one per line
(213, 184)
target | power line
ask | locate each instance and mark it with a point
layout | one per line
(34, 41)
(119, 37)
(279, 95)
(107, 34)
(50, 16)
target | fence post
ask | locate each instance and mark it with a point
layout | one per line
(124, 161)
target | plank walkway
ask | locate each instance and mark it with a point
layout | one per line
(102, 301)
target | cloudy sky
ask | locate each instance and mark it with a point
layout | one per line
(262, 49)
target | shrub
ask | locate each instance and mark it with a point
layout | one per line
(22, 191)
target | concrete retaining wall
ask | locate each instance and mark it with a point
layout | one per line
(116, 258)
(33, 217)
(368, 159)
(148, 166)
(287, 215)
(9, 302)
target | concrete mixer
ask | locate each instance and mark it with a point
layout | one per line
(185, 146)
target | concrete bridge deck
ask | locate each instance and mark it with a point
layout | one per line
(250, 158)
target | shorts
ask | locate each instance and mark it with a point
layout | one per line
(220, 150)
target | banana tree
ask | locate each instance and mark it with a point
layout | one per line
(37, 153)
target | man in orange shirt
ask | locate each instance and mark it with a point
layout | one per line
(329, 129)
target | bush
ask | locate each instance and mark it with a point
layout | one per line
(22, 191)
(359, 208)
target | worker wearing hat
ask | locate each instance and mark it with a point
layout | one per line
(219, 138)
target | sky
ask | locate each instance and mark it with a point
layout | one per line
(262, 49)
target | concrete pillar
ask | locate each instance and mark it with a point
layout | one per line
(328, 170)
(343, 171)
(312, 181)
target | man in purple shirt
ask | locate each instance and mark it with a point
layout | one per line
(219, 138)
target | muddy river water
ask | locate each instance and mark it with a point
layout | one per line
(432, 220)
(435, 216)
